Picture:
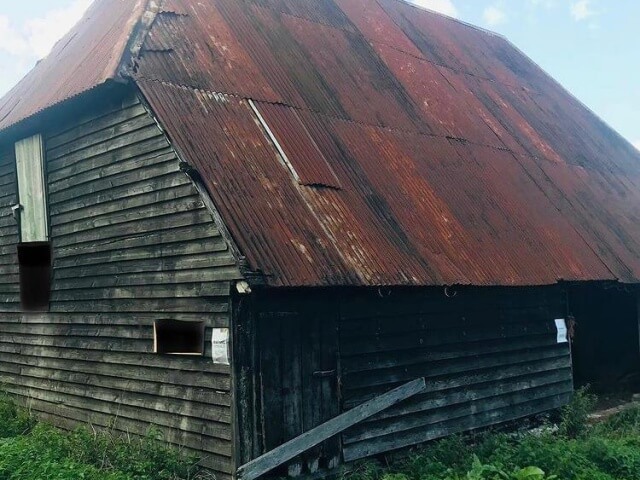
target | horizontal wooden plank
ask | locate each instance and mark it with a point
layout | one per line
(201, 365)
(115, 344)
(87, 140)
(116, 423)
(90, 116)
(162, 209)
(187, 290)
(82, 373)
(447, 398)
(9, 233)
(142, 244)
(7, 220)
(152, 147)
(128, 343)
(79, 131)
(217, 274)
(430, 301)
(418, 340)
(210, 253)
(138, 228)
(7, 164)
(453, 366)
(427, 418)
(159, 412)
(122, 141)
(379, 361)
(170, 180)
(438, 321)
(118, 205)
(160, 305)
(355, 397)
(111, 319)
(466, 423)
(132, 171)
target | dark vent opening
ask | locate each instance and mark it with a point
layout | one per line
(179, 338)
(34, 259)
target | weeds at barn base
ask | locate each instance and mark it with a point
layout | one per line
(574, 451)
(36, 451)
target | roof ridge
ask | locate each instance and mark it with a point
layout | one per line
(138, 36)
(453, 19)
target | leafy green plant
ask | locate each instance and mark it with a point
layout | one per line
(575, 415)
(36, 451)
(14, 420)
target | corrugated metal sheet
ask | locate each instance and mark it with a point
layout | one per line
(84, 58)
(458, 160)
(301, 152)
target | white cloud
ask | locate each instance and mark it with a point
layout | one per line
(11, 41)
(582, 9)
(442, 6)
(35, 38)
(494, 15)
(637, 144)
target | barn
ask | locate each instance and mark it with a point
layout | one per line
(297, 233)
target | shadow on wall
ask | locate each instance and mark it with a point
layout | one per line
(606, 345)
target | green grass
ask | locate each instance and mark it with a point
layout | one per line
(574, 451)
(36, 451)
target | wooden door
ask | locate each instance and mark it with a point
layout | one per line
(298, 383)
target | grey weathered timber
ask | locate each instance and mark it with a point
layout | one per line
(317, 435)
(9, 234)
(132, 243)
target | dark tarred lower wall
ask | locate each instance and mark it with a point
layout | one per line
(489, 356)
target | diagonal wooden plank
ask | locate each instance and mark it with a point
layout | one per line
(317, 435)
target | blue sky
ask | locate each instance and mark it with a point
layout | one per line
(590, 46)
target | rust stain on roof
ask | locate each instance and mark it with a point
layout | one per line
(419, 150)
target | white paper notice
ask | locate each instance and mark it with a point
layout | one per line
(220, 345)
(561, 327)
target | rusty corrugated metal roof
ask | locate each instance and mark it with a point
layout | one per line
(418, 150)
(87, 56)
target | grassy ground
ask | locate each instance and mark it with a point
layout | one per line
(35, 451)
(574, 451)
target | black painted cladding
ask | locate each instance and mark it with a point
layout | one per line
(489, 356)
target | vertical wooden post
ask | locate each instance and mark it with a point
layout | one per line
(244, 363)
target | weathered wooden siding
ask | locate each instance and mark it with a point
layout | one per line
(9, 288)
(132, 243)
(489, 356)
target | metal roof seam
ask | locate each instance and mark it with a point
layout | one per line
(587, 243)
(127, 61)
(448, 67)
